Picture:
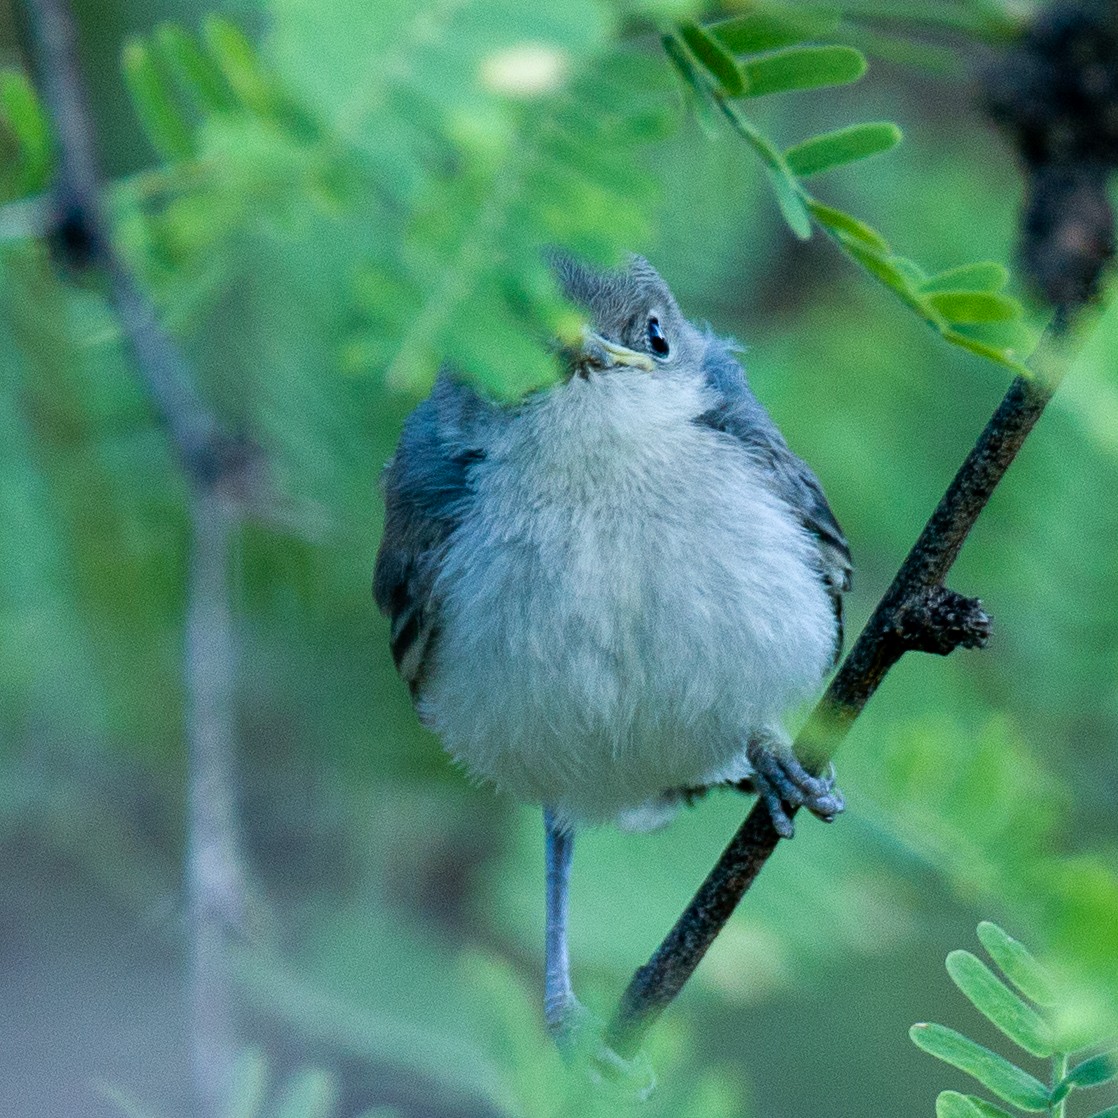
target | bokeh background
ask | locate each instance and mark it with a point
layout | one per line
(314, 259)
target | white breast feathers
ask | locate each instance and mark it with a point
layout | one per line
(625, 606)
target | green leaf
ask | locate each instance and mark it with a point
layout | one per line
(971, 307)
(987, 1109)
(248, 1086)
(791, 203)
(1093, 1072)
(1017, 963)
(998, 354)
(761, 30)
(695, 89)
(162, 119)
(986, 276)
(309, 1094)
(994, 1072)
(892, 271)
(952, 1104)
(23, 114)
(803, 68)
(721, 64)
(1000, 1005)
(848, 228)
(845, 145)
(237, 60)
(194, 70)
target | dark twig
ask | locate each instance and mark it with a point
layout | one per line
(917, 612)
(221, 470)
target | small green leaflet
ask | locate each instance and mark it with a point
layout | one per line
(969, 308)
(791, 204)
(22, 115)
(802, 68)
(986, 276)
(168, 130)
(845, 145)
(994, 1072)
(1017, 963)
(761, 30)
(849, 228)
(951, 1104)
(995, 1001)
(719, 62)
(1092, 1072)
(194, 70)
(695, 91)
(236, 58)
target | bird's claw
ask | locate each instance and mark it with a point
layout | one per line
(783, 783)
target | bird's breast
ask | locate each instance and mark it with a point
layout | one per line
(618, 614)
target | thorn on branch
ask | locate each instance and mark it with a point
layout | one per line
(940, 620)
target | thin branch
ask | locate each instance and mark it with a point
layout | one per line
(81, 233)
(221, 471)
(916, 613)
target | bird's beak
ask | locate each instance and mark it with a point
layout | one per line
(597, 352)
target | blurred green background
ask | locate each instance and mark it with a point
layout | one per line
(382, 205)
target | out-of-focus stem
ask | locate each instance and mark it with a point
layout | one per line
(218, 470)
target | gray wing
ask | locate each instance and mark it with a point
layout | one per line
(427, 492)
(739, 413)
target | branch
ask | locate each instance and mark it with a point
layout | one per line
(917, 613)
(222, 472)
(81, 234)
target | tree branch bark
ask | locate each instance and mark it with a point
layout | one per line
(221, 472)
(917, 612)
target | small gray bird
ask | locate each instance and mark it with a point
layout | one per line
(605, 597)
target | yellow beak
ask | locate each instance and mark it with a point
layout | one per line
(604, 354)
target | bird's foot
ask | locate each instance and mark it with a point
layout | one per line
(580, 1037)
(783, 783)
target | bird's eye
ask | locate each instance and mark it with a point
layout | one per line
(656, 339)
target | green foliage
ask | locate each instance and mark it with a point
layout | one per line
(316, 220)
(26, 148)
(1029, 1027)
(253, 1093)
(541, 119)
(704, 59)
(846, 145)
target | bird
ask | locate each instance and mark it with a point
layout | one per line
(605, 596)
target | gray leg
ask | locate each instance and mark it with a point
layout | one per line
(559, 999)
(782, 782)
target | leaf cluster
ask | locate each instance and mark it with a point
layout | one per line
(1018, 1002)
(723, 65)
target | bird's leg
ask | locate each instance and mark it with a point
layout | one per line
(782, 782)
(559, 1000)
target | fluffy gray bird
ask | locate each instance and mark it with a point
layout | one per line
(605, 597)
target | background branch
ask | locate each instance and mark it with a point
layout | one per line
(916, 612)
(219, 469)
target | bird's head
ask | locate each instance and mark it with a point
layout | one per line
(634, 321)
